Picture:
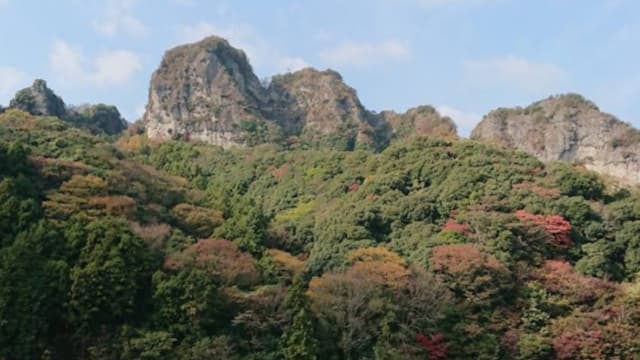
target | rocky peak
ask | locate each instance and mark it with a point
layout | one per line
(204, 90)
(568, 128)
(420, 121)
(318, 104)
(207, 91)
(39, 100)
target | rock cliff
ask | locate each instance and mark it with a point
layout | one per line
(318, 104)
(567, 128)
(207, 91)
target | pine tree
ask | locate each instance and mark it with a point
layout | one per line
(299, 340)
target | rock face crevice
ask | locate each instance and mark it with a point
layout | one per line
(207, 91)
(567, 128)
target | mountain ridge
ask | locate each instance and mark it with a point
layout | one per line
(208, 91)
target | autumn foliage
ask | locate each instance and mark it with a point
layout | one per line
(434, 345)
(197, 220)
(115, 205)
(556, 226)
(218, 257)
(462, 258)
(453, 225)
(292, 265)
(471, 274)
(559, 277)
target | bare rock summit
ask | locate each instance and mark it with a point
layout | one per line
(204, 91)
(207, 91)
(567, 128)
(38, 99)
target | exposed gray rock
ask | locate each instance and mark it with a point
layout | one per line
(567, 128)
(207, 91)
(204, 91)
(318, 104)
(39, 100)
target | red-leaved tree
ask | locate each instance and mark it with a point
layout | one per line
(434, 345)
(556, 226)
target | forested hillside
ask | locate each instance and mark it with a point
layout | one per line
(125, 248)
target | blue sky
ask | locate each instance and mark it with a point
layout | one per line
(465, 57)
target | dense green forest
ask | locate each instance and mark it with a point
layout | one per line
(122, 248)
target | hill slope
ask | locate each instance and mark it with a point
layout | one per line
(429, 249)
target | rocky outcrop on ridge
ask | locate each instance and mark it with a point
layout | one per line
(207, 91)
(567, 128)
(38, 99)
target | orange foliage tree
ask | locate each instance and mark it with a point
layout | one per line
(115, 205)
(287, 264)
(471, 274)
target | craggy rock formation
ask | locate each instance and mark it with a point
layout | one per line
(39, 100)
(420, 121)
(567, 128)
(318, 104)
(207, 91)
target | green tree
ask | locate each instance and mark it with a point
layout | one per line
(111, 281)
(299, 340)
(33, 292)
(187, 303)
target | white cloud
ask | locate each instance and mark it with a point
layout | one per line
(262, 55)
(11, 79)
(465, 121)
(515, 72)
(364, 54)
(115, 67)
(118, 18)
(109, 68)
